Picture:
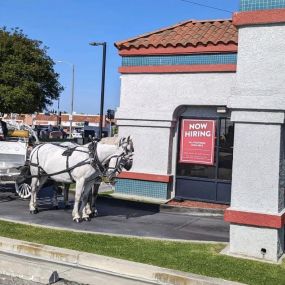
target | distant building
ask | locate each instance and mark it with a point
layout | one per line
(45, 119)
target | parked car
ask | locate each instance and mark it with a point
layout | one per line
(76, 135)
(50, 132)
(55, 134)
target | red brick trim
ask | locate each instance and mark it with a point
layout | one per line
(179, 68)
(210, 48)
(254, 219)
(146, 177)
(259, 17)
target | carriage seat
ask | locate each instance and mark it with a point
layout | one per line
(18, 134)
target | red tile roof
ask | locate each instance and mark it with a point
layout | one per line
(185, 34)
(83, 118)
(65, 117)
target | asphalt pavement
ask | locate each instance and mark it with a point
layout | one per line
(118, 217)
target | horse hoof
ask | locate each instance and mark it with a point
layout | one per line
(34, 211)
(87, 219)
(55, 207)
(93, 215)
(77, 220)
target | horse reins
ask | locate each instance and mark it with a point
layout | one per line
(68, 169)
(93, 160)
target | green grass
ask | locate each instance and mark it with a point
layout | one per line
(196, 258)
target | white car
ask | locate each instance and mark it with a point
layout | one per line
(76, 135)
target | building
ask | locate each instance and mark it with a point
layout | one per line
(204, 102)
(50, 119)
(184, 71)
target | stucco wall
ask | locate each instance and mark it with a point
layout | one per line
(148, 103)
(255, 65)
(151, 146)
(249, 241)
(156, 96)
(260, 68)
(258, 103)
(255, 185)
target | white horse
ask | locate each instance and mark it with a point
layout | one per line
(85, 165)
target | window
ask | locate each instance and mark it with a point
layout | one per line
(226, 149)
(222, 168)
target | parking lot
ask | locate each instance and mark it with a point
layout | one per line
(117, 217)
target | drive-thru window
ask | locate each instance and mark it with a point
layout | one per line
(206, 143)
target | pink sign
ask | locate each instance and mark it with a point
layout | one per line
(197, 143)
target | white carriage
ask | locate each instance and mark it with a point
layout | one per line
(14, 153)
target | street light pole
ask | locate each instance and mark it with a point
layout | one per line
(72, 101)
(72, 94)
(104, 44)
(57, 123)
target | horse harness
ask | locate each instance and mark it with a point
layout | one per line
(93, 160)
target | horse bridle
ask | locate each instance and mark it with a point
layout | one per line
(103, 167)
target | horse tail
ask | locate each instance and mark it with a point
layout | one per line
(34, 158)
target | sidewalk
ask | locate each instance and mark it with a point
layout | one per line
(185, 206)
(64, 263)
(196, 206)
(191, 207)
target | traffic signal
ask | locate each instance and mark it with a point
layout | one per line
(110, 114)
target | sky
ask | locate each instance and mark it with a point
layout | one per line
(67, 27)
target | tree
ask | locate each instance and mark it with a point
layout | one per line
(28, 81)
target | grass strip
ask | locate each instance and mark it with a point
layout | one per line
(199, 258)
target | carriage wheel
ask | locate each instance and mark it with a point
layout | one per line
(23, 190)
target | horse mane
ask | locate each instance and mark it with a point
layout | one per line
(110, 140)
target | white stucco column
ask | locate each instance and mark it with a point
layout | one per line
(257, 202)
(257, 103)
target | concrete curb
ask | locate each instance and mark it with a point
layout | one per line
(27, 270)
(192, 211)
(160, 206)
(109, 265)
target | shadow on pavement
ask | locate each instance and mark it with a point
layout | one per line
(106, 206)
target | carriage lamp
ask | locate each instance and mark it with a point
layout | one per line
(104, 44)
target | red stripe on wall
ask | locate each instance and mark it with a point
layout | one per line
(210, 48)
(179, 68)
(146, 176)
(254, 219)
(259, 17)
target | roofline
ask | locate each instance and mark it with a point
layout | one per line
(180, 50)
(153, 32)
(117, 44)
